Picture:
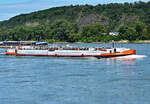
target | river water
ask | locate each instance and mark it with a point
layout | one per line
(50, 80)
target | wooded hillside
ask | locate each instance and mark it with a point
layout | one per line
(81, 23)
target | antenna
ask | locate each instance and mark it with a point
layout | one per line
(113, 43)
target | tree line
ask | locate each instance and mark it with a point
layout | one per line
(81, 23)
(64, 31)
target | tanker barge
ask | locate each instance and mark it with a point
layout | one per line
(68, 51)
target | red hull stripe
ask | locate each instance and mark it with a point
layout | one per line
(68, 55)
(58, 55)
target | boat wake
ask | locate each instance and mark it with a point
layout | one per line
(129, 57)
(132, 56)
(120, 58)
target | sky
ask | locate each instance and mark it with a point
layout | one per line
(11, 8)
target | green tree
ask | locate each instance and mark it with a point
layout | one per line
(92, 30)
(128, 33)
(62, 30)
(141, 29)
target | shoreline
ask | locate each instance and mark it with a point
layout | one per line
(120, 42)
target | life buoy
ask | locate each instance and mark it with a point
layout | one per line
(19, 47)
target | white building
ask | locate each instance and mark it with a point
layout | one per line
(1, 43)
(114, 33)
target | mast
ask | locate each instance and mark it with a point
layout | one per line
(113, 44)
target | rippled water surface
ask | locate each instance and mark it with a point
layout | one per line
(48, 80)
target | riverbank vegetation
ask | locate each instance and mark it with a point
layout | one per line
(85, 23)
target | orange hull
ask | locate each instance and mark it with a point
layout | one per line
(127, 52)
(10, 53)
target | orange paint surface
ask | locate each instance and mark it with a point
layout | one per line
(10, 53)
(127, 52)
